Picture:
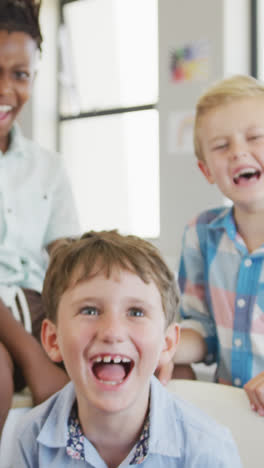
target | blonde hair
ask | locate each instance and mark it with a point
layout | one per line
(220, 93)
(75, 260)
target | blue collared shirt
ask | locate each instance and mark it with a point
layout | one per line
(222, 287)
(181, 436)
(36, 208)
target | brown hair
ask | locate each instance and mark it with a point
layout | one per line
(220, 93)
(75, 260)
(22, 16)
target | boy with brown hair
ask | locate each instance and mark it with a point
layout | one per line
(111, 303)
(221, 273)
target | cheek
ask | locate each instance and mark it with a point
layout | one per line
(151, 342)
(24, 92)
(70, 343)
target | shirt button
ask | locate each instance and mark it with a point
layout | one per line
(237, 382)
(238, 342)
(248, 262)
(241, 302)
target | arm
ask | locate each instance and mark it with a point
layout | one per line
(255, 392)
(192, 347)
(198, 335)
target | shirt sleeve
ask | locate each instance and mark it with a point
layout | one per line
(63, 220)
(194, 309)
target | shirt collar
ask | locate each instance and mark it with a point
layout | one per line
(16, 145)
(75, 442)
(162, 416)
(165, 436)
(225, 220)
(55, 435)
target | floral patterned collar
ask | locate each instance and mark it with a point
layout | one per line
(75, 441)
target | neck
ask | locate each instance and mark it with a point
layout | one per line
(113, 434)
(250, 225)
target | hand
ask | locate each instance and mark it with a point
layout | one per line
(255, 392)
(164, 373)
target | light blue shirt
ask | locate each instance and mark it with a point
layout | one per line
(181, 436)
(36, 208)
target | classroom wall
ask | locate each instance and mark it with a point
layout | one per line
(224, 26)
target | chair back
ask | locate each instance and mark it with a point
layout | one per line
(230, 407)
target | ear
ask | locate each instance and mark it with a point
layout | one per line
(50, 341)
(206, 172)
(171, 340)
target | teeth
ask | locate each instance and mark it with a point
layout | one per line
(5, 108)
(111, 382)
(249, 170)
(107, 359)
(117, 360)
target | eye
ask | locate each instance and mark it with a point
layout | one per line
(255, 137)
(89, 310)
(220, 146)
(136, 312)
(21, 75)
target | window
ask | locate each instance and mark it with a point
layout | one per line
(109, 130)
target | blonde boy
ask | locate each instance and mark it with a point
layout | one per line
(221, 272)
(111, 302)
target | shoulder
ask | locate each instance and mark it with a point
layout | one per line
(35, 150)
(208, 216)
(182, 413)
(187, 429)
(193, 420)
(199, 228)
(39, 422)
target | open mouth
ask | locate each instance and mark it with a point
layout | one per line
(4, 111)
(112, 370)
(246, 174)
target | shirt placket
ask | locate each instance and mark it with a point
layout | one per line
(247, 285)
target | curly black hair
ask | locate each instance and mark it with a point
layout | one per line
(23, 16)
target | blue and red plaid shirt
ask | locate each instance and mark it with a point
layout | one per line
(222, 287)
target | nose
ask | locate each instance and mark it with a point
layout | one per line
(111, 329)
(238, 149)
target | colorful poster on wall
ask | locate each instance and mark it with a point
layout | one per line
(180, 132)
(190, 62)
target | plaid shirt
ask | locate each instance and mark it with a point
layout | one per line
(222, 287)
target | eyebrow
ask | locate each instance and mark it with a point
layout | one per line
(134, 301)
